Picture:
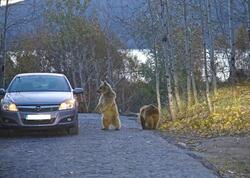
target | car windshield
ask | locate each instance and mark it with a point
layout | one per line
(41, 83)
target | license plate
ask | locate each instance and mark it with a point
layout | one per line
(38, 117)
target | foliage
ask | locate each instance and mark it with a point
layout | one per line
(231, 114)
(71, 43)
(78, 44)
(21, 62)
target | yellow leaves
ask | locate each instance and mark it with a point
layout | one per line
(232, 114)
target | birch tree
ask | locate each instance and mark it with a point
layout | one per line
(156, 58)
(164, 18)
(187, 54)
(204, 34)
(210, 38)
(107, 31)
(248, 27)
(173, 59)
(195, 93)
(157, 77)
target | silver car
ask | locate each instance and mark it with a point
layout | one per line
(39, 101)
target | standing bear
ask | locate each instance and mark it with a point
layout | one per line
(107, 106)
(149, 117)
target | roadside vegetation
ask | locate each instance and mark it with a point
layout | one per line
(231, 114)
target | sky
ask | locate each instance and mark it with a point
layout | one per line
(3, 2)
(142, 55)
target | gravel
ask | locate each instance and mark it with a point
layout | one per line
(130, 152)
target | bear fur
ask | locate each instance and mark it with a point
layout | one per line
(149, 117)
(107, 106)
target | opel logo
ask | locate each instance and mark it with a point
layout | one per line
(38, 108)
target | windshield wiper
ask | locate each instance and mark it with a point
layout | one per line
(17, 91)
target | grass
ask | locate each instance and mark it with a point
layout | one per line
(231, 114)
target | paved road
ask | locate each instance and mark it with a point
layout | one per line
(129, 152)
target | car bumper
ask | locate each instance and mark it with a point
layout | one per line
(59, 119)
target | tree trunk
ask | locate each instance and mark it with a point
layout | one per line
(165, 30)
(3, 49)
(82, 96)
(232, 66)
(211, 44)
(173, 61)
(248, 21)
(175, 79)
(74, 77)
(169, 86)
(194, 88)
(156, 60)
(96, 69)
(192, 69)
(248, 29)
(205, 58)
(109, 65)
(176, 89)
(157, 80)
(206, 78)
(1, 58)
(123, 100)
(187, 52)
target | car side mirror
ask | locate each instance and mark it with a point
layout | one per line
(2, 91)
(78, 91)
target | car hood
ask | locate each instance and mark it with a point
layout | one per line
(35, 98)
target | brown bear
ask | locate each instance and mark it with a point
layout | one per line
(149, 117)
(107, 106)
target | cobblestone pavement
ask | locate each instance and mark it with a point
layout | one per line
(130, 152)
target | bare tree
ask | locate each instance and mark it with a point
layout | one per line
(176, 86)
(195, 93)
(248, 27)
(187, 54)
(3, 48)
(203, 28)
(173, 60)
(156, 59)
(248, 18)
(109, 39)
(164, 17)
(210, 37)
(157, 78)
(232, 66)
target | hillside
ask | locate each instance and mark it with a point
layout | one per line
(26, 16)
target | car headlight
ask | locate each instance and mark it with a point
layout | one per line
(68, 104)
(9, 107)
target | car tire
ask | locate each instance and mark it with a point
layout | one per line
(6, 133)
(74, 130)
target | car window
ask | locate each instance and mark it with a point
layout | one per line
(39, 83)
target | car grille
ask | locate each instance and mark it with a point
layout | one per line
(38, 122)
(38, 108)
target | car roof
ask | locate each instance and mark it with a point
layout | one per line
(32, 74)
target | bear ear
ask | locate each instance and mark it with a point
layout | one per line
(102, 82)
(105, 82)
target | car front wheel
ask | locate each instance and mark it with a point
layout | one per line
(74, 130)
